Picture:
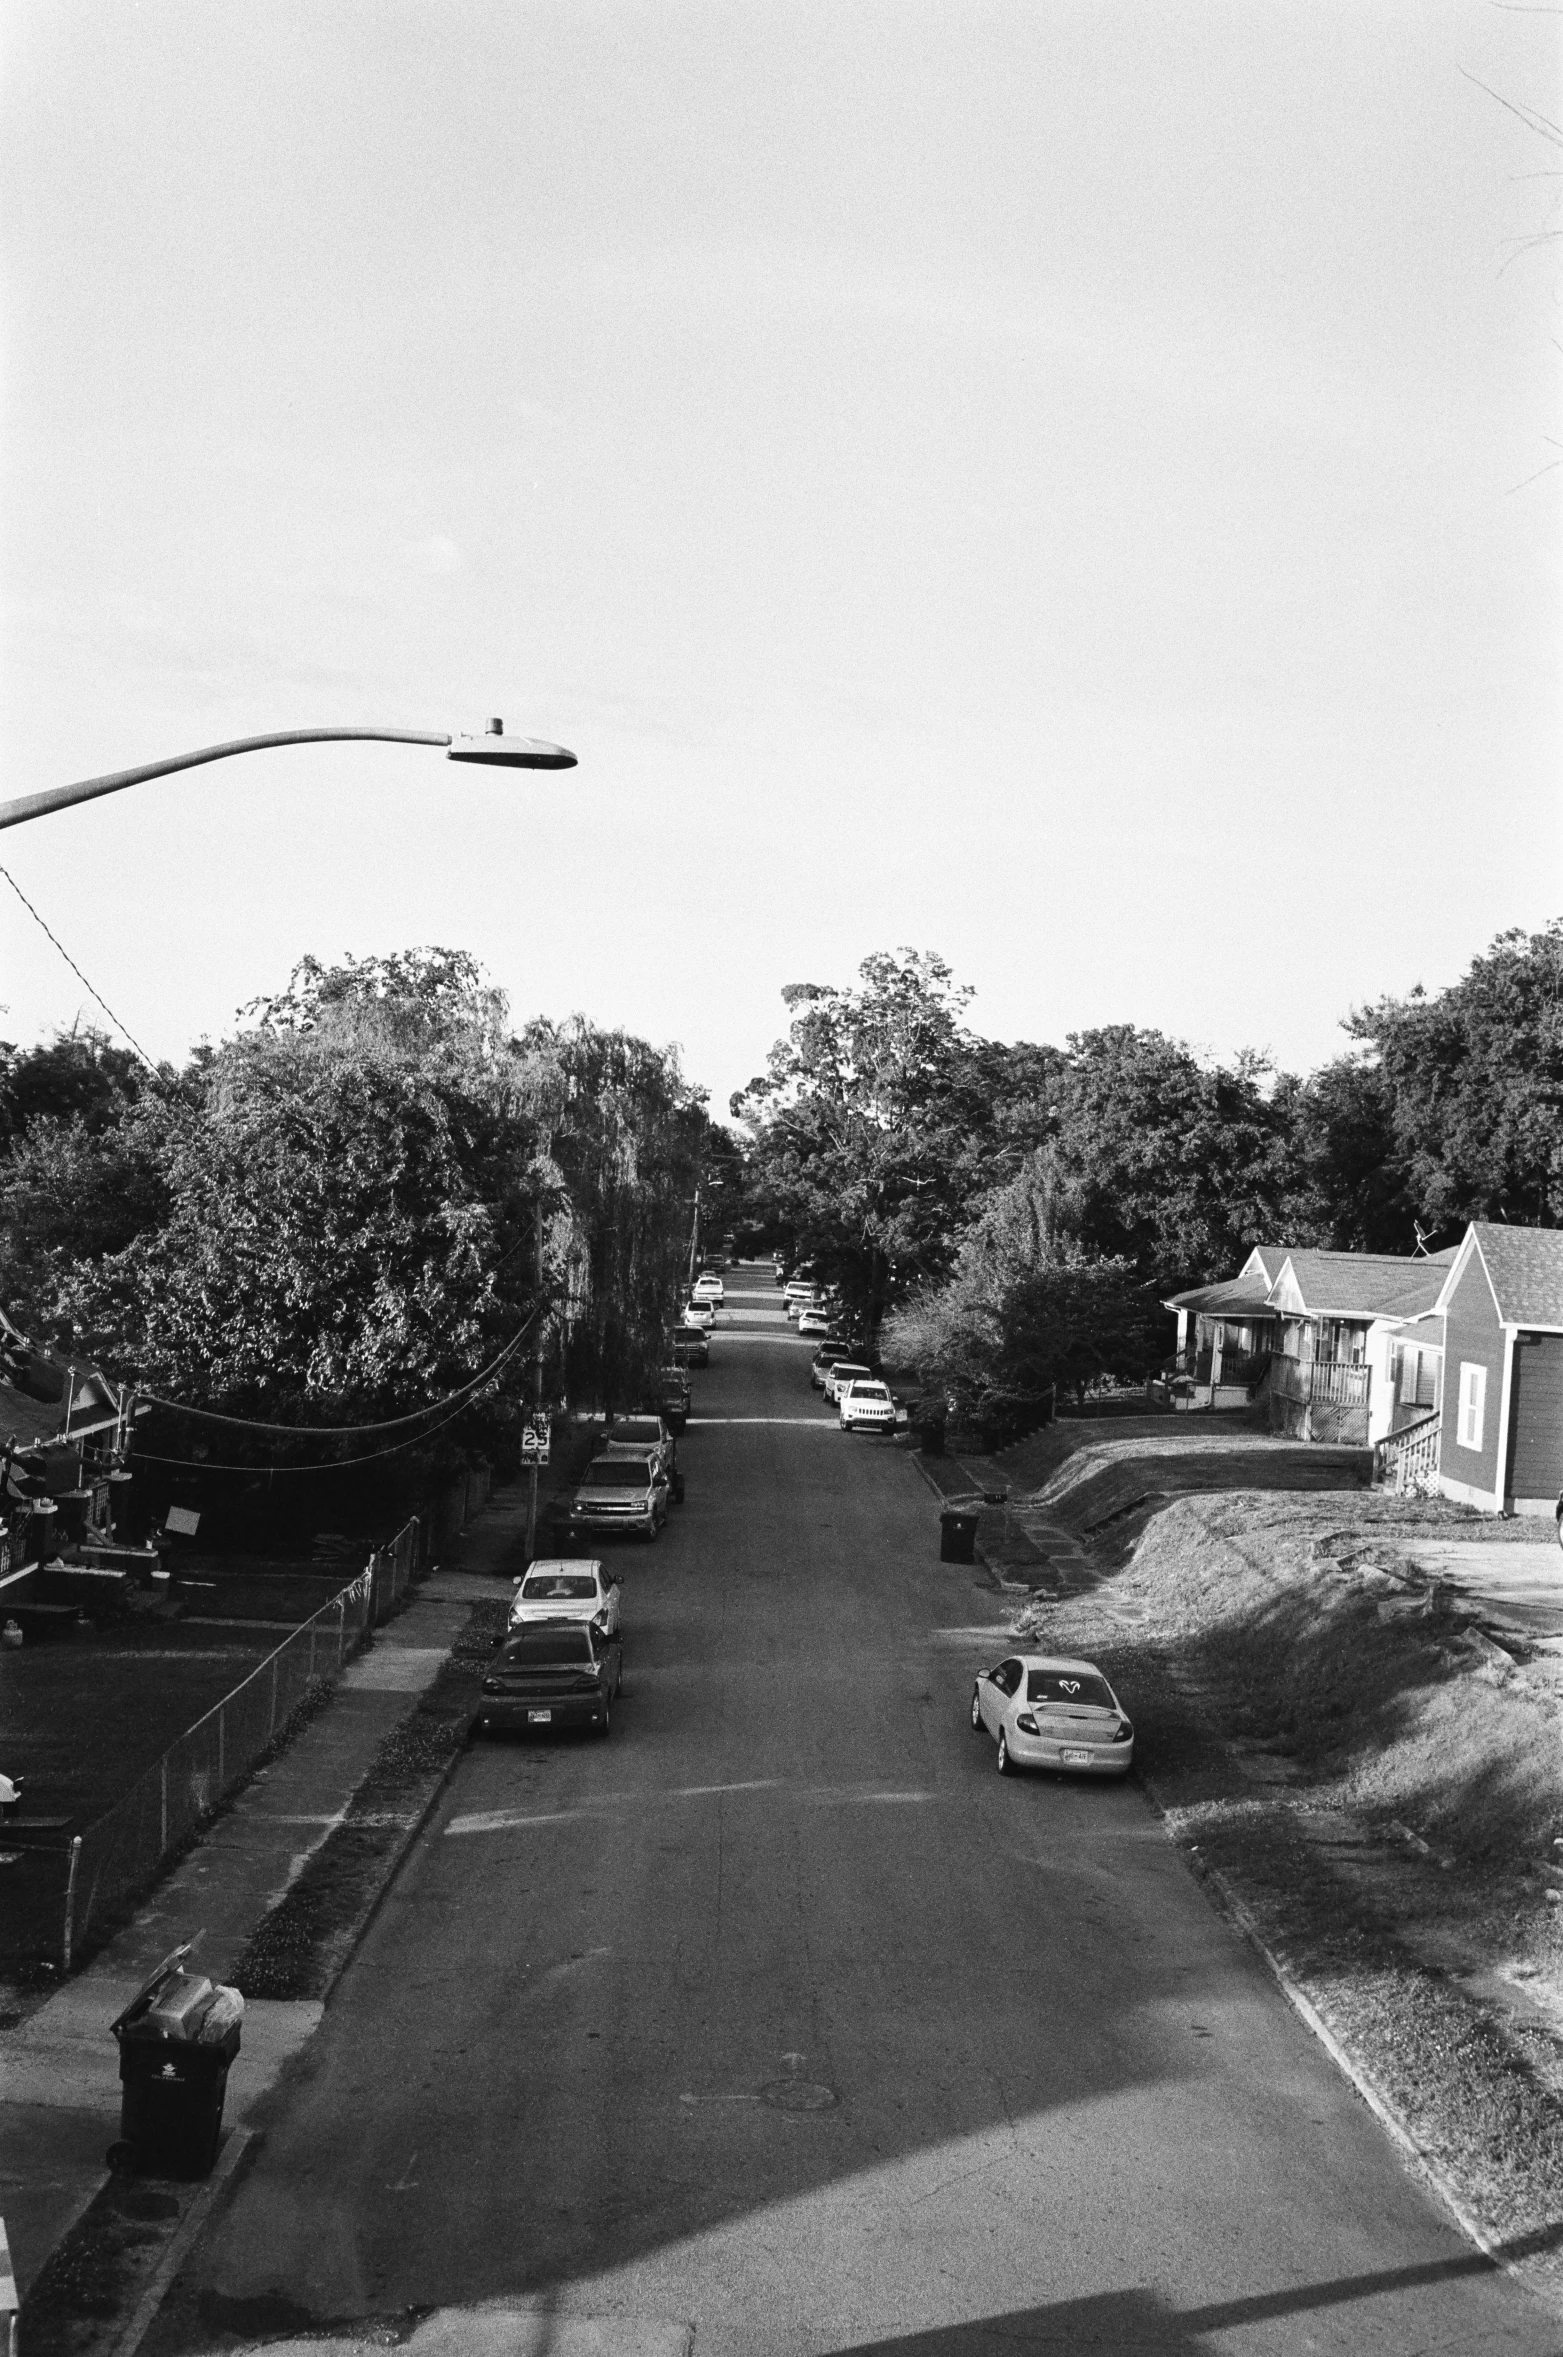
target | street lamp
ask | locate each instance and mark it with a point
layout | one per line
(493, 748)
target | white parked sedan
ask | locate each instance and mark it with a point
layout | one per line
(844, 1371)
(1047, 1711)
(866, 1406)
(699, 1312)
(813, 1318)
(567, 1588)
(709, 1287)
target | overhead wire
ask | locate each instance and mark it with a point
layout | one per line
(80, 976)
(383, 1424)
(333, 1464)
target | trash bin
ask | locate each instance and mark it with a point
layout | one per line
(930, 1436)
(171, 2103)
(173, 2075)
(958, 1534)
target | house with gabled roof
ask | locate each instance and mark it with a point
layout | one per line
(1500, 1429)
(1330, 1378)
(1226, 1333)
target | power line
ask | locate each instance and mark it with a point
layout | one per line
(331, 1465)
(80, 976)
(385, 1424)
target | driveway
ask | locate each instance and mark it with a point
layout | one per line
(780, 2019)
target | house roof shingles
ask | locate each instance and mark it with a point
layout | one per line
(1368, 1284)
(1526, 1268)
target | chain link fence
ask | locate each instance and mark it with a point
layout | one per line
(396, 1565)
(122, 1853)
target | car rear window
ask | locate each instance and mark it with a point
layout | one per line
(848, 1371)
(618, 1473)
(548, 1648)
(569, 1587)
(1069, 1686)
(644, 1428)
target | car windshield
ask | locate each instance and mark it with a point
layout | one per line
(548, 1648)
(848, 1371)
(869, 1391)
(1067, 1687)
(618, 1473)
(570, 1587)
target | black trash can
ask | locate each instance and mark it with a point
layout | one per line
(171, 2102)
(958, 1534)
(930, 1436)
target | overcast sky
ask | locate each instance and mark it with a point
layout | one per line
(1037, 482)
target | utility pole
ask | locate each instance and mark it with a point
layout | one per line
(537, 1371)
(694, 1238)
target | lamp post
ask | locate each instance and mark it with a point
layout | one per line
(493, 749)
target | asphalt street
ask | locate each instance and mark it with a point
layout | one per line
(781, 2016)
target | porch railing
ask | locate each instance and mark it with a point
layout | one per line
(1406, 1462)
(1343, 1383)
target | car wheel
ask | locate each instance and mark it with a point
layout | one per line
(607, 1719)
(1006, 1765)
(976, 1713)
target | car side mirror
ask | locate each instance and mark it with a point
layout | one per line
(516, 1582)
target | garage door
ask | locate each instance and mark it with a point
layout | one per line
(1536, 1459)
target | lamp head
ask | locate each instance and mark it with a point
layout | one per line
(498, 751)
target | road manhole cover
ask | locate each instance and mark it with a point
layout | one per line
(797, 2095)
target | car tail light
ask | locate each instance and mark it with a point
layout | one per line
(492, 1686)
(600, 1622)
(1125, 1732)
(1027, 1724)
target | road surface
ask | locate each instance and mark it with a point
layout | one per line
(780, 2016)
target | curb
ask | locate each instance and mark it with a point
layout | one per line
(218, 2186)
(395, 1859)
(1229, 1904)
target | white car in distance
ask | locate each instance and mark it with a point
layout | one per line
(699, 1313)
(844, 1371)
(567, 1588)
(866, 1406)
(708, 1286)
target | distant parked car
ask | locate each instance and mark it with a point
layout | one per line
(845, 1371)
(1048, 1711)
(831, 1349)
(624, 1494)
(813, 1319)
(672, 1395)
(698, 1312)
(550, 1675)
(866, 1406)
(567, 1588)
(691, 1346)
(638, 1436)
(708, 1286)
(797, 1289)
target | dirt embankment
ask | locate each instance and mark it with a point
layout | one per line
(1378, 1782)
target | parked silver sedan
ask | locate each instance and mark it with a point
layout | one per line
(1047, 1711)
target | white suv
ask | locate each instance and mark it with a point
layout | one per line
(562, 1588)
(866, 1406)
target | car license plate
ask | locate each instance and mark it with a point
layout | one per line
(1075, 1758)
(539, 1718)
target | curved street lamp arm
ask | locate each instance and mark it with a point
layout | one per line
(87, 789)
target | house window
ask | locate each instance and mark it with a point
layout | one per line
(1473, 1401)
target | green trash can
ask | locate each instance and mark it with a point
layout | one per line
(958, 1534)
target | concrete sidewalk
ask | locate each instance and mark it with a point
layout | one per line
(59, 2066)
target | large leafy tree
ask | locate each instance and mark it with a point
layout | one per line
(877, 1122)
(1473, 1080)
(1172, 1166)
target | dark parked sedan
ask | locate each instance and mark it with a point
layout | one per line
(552, 1674)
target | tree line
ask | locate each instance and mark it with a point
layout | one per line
(352, 1207)
(1006, 1218)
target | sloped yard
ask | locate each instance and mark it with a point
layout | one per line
(1369, 1772)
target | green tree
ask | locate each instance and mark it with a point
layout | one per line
(1474, 1082)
